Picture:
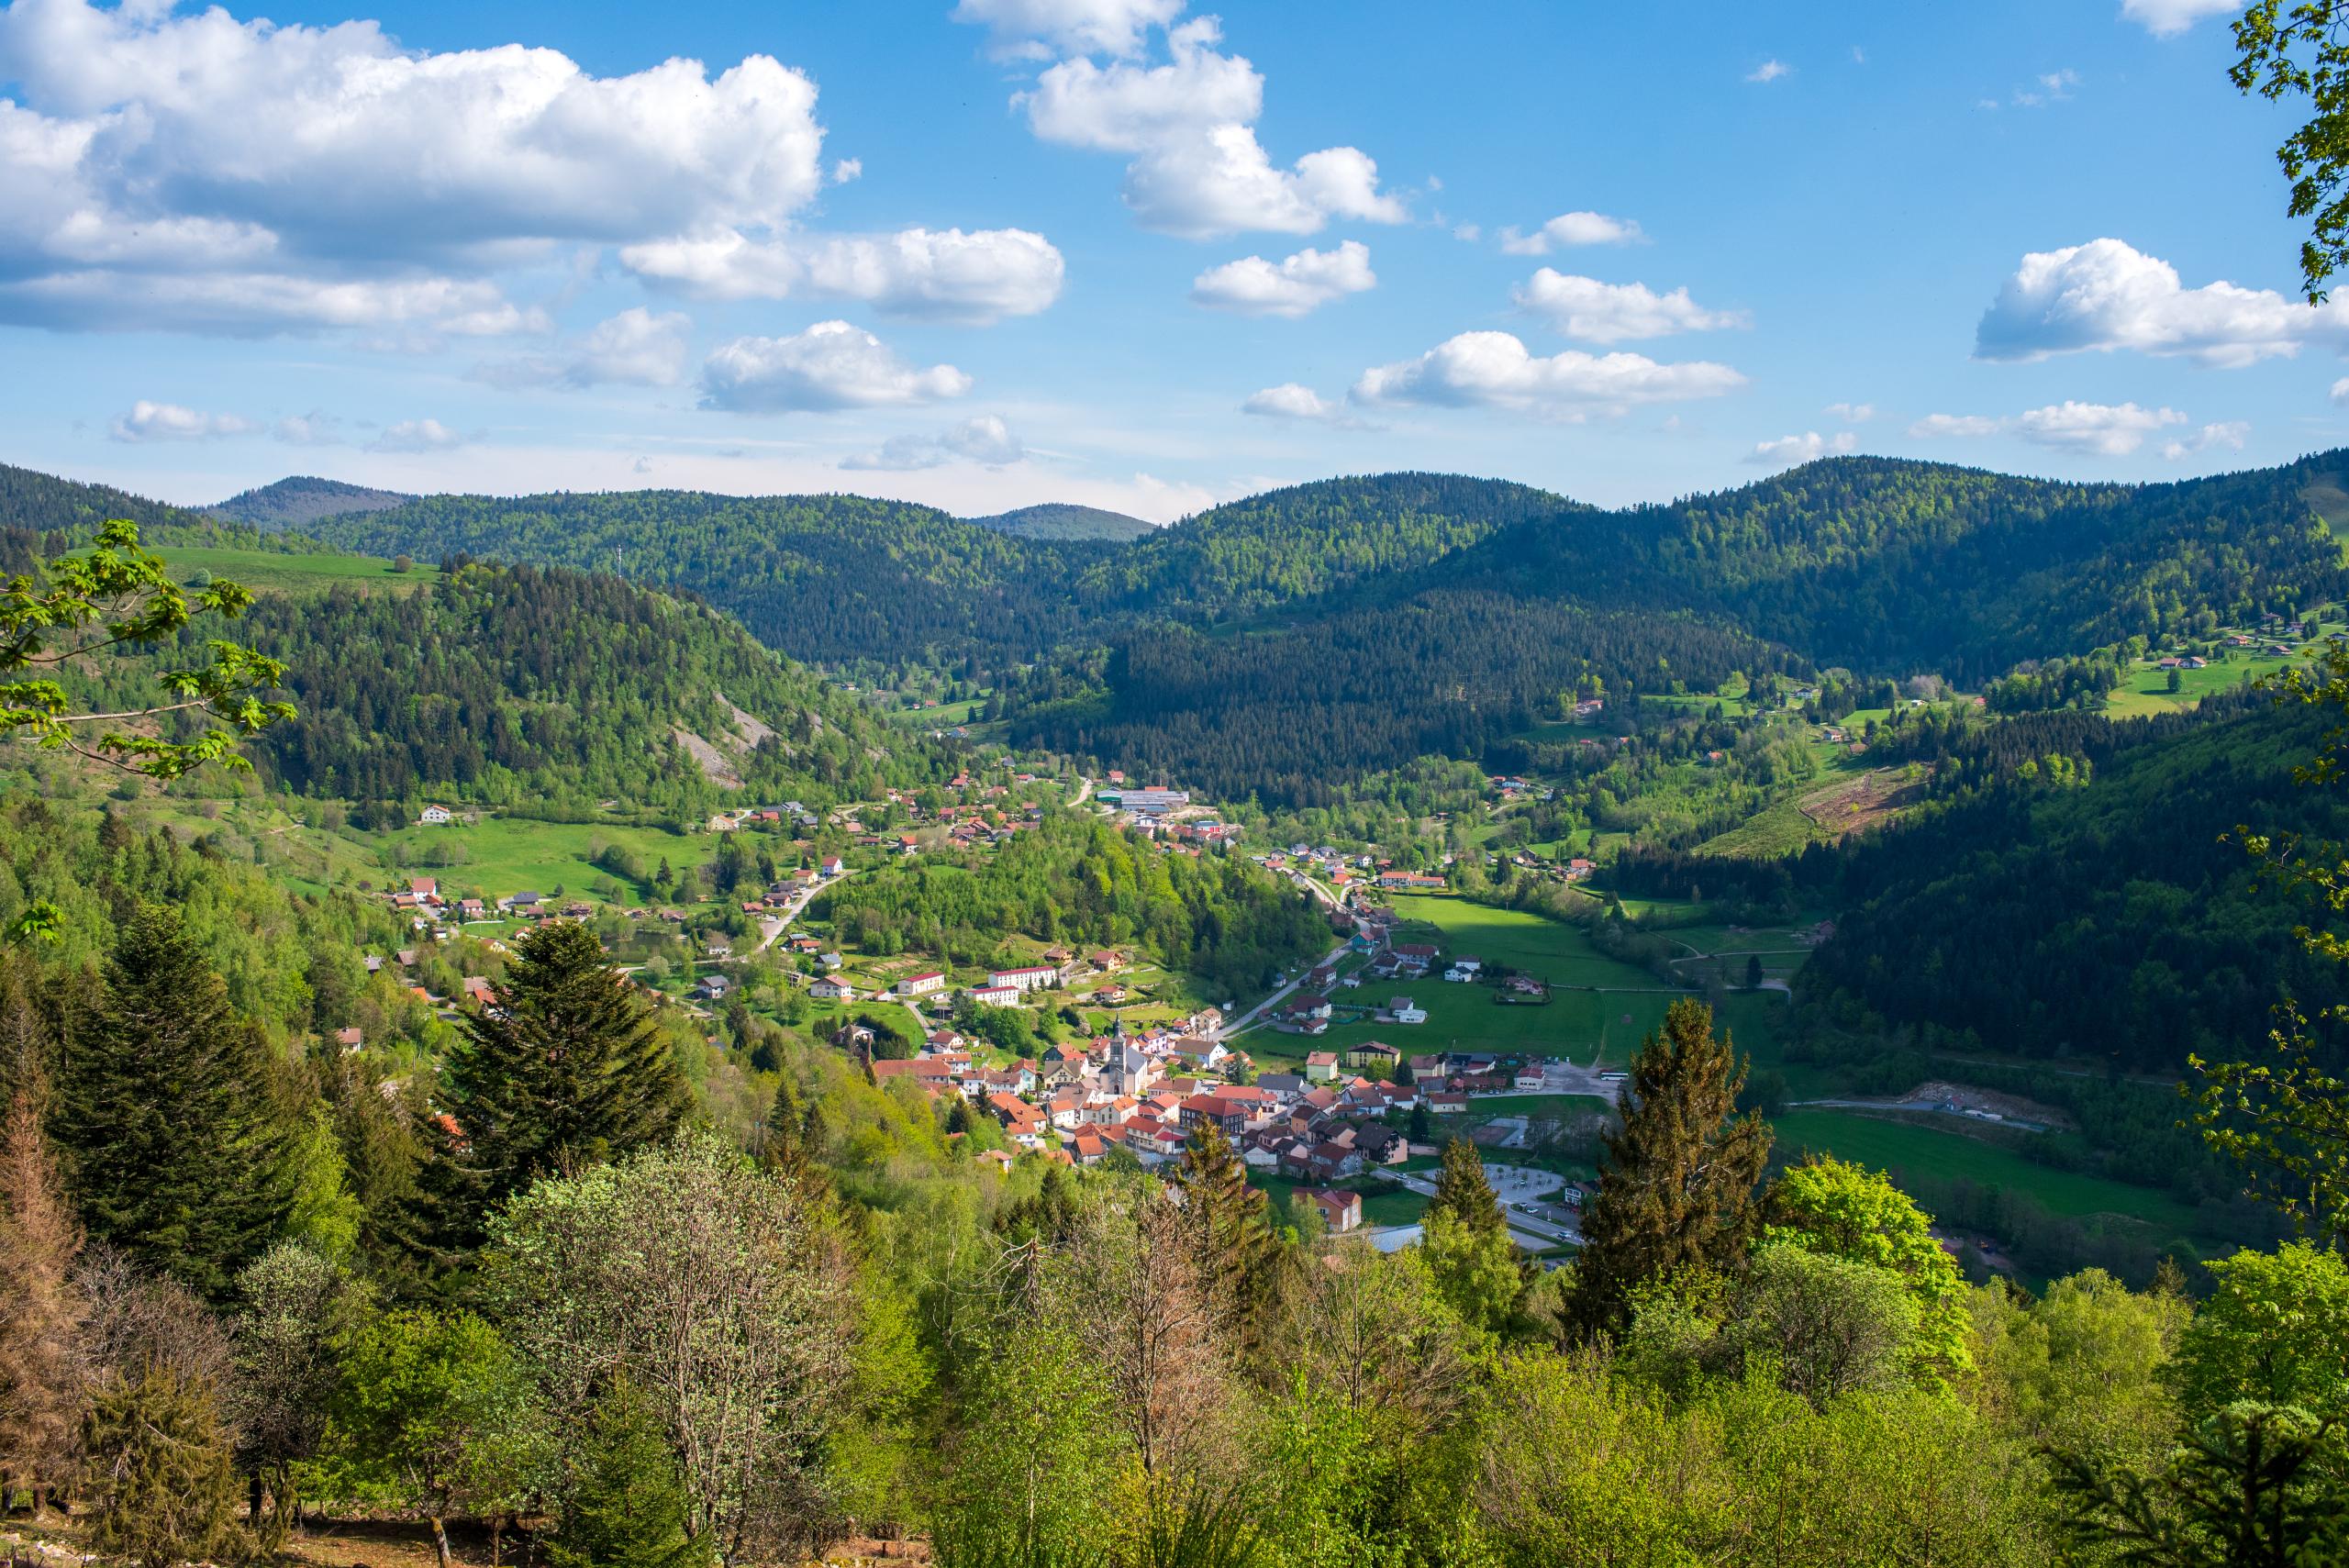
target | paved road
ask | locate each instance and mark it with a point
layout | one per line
(1084, 791)
(1248, 1017)
(773, 925)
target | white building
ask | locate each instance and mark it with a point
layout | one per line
(921, 985)
(1034, 977)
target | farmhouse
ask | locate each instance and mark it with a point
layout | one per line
(433, 815)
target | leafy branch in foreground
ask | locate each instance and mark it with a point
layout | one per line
(120, 596)
(2303, 51)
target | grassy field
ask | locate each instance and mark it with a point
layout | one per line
(2146, 691)
(1905, 1150)
(506, 854)
(266, 571)
(1383, 1202)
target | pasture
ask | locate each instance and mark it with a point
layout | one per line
(268, 571)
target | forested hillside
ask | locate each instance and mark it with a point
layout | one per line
(299, 501)
(836, 579)
(1891, 566)
(1083, 884)
(1059, 519)
(2089, 902)
(1287, 716)
(500, 685)
(1308, 542)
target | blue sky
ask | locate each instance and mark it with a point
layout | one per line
(987, 253)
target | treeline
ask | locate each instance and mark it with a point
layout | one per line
(830, 579)
(501, 686)
(1078, 881)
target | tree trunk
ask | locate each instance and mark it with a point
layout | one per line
(252, 1499)
(441, 1539)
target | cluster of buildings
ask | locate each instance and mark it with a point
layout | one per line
(428, 910)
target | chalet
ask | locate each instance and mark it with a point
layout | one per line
(1403, 1010)
(831, 988)
(472, 908)
(830, 866)
(1321, 1066)
(1341, 1211)
(434, 816)
(349, 1038)
(920, 984)
(424, 889)
(520, 901)
(713, 987)
(1032, 977)
(478, 991)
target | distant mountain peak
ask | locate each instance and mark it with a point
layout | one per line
(1062, 519)
(300, 499)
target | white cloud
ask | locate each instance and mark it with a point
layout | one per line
(148, 422)
(848, 169)
(1614, 313)
(2341, 390)
(187, 169)
(1769, 70)
(1469, 233)
(2097, 430)
(1026, 27)
(1186, 125)
(635, 348)
(1493, 370)
(2229, 434)
(2167, 18)
(1787, 450)
(985, 440)
(1290, 400)
(416, 435)
(1570, 229)
(2106, 295)
(1254, 286)
(830, 365)
(945, 274)
(1852, 413)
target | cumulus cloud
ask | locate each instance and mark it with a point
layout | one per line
(1852, 413)
(830, 365)
(943, 274)
(1614, 313)
(1187, 127)
(1769, 70)
(1493, 370)
(1570, 229)
(1033, 28)
(2341, 390)
(1290, 400)
(185, 169)
(985, 440)
(847, 169)
(2107, 295)
(1254, 287)
(417, 436)
(1787, 450)
(147, 421)
(2167, 18)
(635, 348)
(2095, 430)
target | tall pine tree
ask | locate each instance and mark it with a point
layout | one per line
(164, 1116)
(1234, 1246)
(1468, 1250)
(1677, 1183)
(566, 1068)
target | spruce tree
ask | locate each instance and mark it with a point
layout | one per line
(1468, 1250)
(1676, 1180)
(565, 1070)
(164, 1115)
(1235, 1246)
(164, 1491)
